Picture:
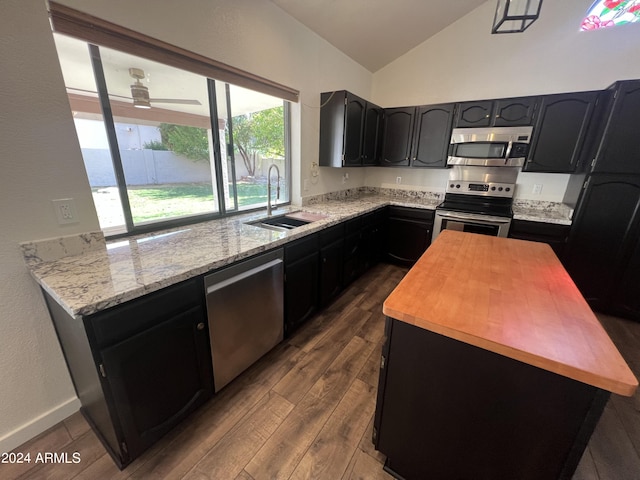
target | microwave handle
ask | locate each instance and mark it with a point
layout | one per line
(509, 147)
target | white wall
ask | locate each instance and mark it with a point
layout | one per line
(41, 158)
(466, 62)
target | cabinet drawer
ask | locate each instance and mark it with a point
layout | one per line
(122, 321)
(412, 213)
(300, 248)
(331, 234)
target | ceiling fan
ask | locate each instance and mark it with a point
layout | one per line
(140, 93)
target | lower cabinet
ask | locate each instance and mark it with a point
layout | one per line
(301, 281)
(408, 234)
(139, 368)
(331, 252)
(555, 235)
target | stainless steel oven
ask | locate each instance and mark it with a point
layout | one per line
(477, 200)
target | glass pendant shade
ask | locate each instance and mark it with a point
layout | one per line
(514, 16)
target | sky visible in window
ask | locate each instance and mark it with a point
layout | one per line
(609, 13)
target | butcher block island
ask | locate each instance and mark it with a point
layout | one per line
(494, 366)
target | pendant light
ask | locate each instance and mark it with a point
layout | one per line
(514, 16)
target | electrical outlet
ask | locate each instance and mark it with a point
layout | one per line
(398, 180)
(65, 209)
(537, 189)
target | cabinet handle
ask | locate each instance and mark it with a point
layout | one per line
(200, 326)
(324, 260)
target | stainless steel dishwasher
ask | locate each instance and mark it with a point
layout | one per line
(245, 308)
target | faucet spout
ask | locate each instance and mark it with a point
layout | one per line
(269, 207)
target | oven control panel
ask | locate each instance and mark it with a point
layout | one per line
(490, 189)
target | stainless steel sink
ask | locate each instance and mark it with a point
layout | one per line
(281, 223)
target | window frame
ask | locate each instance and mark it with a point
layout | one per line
(96, 32)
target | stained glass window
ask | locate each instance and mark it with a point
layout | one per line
(608, 13)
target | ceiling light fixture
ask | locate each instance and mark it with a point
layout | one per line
(514, 16)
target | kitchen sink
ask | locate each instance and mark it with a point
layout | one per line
(286, 222)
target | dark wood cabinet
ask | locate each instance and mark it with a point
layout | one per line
(603, 239)
(556, 235)
(301, 281)
(349, 130)
(626, 301)
(504, 112)
(139, 368)
(331, 253)
(562, 124)
(371, 139)
(408, 234)
(397, 134)
(432, 134)
(619, 148)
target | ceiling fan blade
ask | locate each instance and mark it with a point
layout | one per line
(175, 100)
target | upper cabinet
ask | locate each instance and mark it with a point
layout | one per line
(397, 133)
(619, 149)
(505, 112)
(417, 136)
(349, 130)
(559, 134)
(432, 133)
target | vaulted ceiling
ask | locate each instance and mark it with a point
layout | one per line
(376, 32)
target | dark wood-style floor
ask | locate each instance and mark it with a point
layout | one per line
(306, 411)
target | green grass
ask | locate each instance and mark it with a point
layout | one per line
(166, 201)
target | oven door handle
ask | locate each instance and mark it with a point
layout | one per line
(509, 147)
(463, 216)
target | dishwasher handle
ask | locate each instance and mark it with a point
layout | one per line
(242, 276)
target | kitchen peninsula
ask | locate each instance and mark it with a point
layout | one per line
(494, 365)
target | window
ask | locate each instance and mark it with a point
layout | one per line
(608, 13)
(164, 146)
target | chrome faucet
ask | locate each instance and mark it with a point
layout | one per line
(269, 208)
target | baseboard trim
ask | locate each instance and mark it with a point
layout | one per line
(38, 425)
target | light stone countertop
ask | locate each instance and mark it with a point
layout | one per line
(109, 273)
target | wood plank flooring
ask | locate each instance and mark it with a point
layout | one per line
(305, 411)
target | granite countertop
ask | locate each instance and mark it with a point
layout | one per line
(103, 274)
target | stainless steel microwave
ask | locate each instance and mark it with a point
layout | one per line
(491, 147)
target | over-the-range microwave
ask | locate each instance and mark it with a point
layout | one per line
(490, 147)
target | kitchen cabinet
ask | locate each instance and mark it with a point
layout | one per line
(504, 112)
(301, 286)
(603, 241)
(408, 234)
(562, 126)
(417, 136)
(349, 130)
(397, 134)
(352, 260)
(555, 235)
(619, 148)
(331, 261)
(626, 301)
(432, 134)
(139, 368)
(373, 238)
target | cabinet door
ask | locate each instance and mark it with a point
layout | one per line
(555, 235)
(301, 291)
(560, 131)
(626, 301)
(432, 136)
(475, 114)
(600, 234)
(354, 123)
(511, 112)
(330, 271)
(159, 376)
(372, 133)
(619, 150)
(397, 135)
(407, 239)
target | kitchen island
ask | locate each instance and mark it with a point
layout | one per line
(494, 365)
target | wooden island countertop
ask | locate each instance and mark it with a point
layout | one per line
(514, 298)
